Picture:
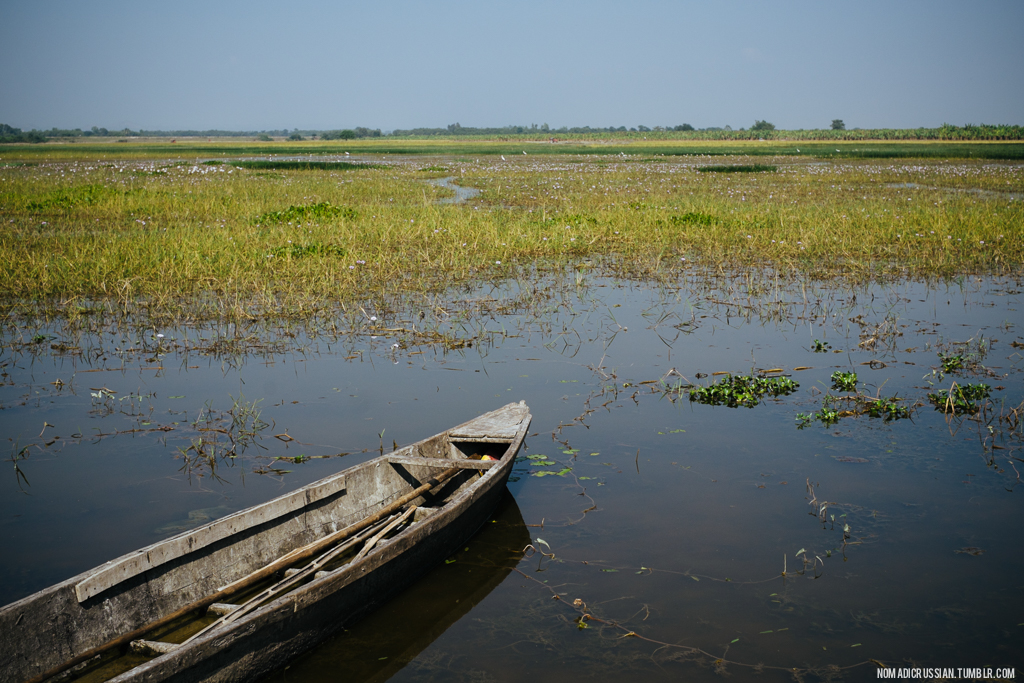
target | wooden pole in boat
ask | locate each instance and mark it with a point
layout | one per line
(296, 555)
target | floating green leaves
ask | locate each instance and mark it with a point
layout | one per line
(959, 398)
(743, 390)
(542, 461)
(844, 381)
(951, 363)
(887, 408)
(545, 473)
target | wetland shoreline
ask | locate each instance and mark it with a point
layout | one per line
(206, 241)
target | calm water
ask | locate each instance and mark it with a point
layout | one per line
(675, 521)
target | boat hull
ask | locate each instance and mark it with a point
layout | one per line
(293, 625)
(385, 641)
(66, 620)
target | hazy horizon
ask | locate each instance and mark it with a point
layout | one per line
(397, 65)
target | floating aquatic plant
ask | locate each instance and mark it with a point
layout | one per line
(959, 398)
(951, 363)
(844, 381)
(743, 390)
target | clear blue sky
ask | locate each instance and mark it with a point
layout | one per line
(389, 64)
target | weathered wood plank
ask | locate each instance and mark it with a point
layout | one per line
(124, 568)
(221, 608)
(152, 648)
(500, 425)
(443, 463)
(480, 439)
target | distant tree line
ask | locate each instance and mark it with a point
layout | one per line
(533, 129)
(760, 130)
(11, 134)
(350, 134)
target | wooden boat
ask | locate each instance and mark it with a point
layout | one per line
(278, 577)
(396, 633)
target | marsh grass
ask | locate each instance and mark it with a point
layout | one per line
(291, 165)
(306, 212)
(738, 168)
(195, 240)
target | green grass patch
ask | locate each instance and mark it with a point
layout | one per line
(322, 211)
(693, 218)
(739, 168)
(263, 165)
(67, 198)
(303, 250)
(174, 233)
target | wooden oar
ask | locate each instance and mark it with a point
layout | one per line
(258, 575)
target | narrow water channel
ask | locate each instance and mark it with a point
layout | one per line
(462, 194)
